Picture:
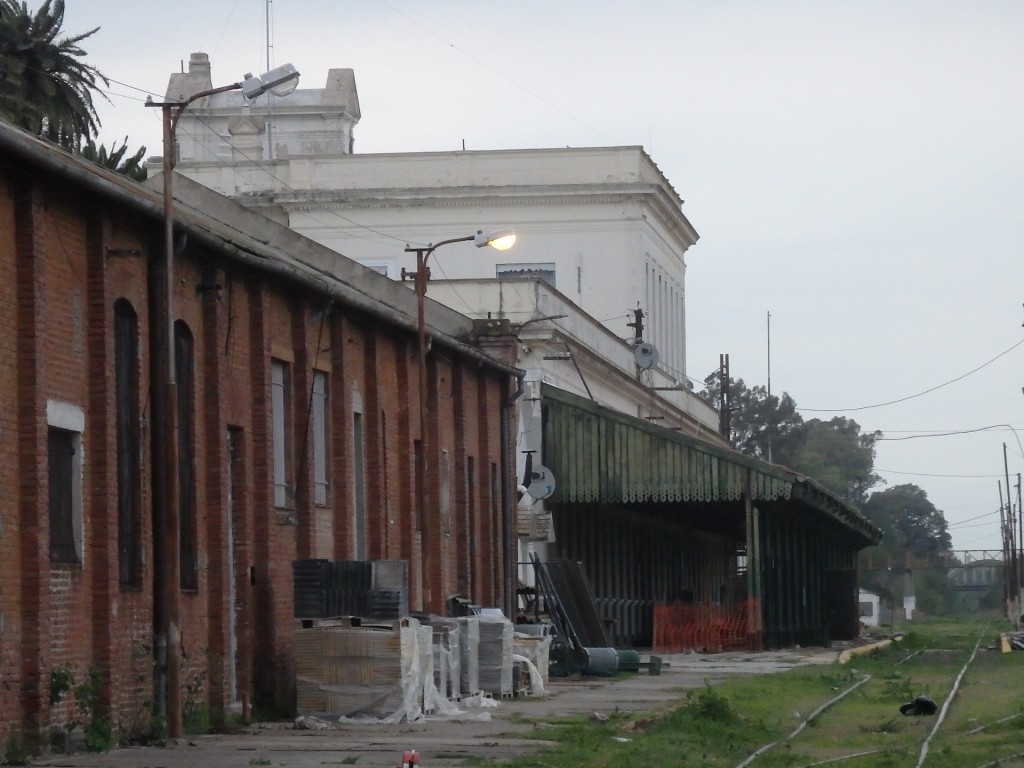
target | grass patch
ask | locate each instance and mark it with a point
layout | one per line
(724, 723)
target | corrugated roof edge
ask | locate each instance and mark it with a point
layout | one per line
(806, 489)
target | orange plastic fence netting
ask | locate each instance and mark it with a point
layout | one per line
(704, 628)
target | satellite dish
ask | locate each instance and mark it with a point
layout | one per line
(646, 355)
(542, 482)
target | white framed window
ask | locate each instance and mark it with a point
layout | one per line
(280, 398)
(319, 427)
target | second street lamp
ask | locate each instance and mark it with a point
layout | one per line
(501, 240)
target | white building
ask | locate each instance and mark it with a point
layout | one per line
(602, 225)
(870, 608)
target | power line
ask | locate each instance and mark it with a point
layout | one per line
(974, 541)
(133, 87)
(451, 284)
(926, 474)
(951, 433)
(963, 523)
(108, 94)
(919, 394)
(259, 166)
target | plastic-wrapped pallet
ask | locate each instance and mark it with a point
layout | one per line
(381, 673)
(536, 651)
(447, 656)
(425, 662)
(346, 670)
(495, 654)
(469, 668)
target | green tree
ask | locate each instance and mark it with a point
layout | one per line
(835, 453)
(913, 528)
(45, 86)
(115, 159)
(758, 420)
(911, 523)
(839, 456)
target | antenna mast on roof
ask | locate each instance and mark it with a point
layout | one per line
(270, 43)
(769, 387)
(270, 97)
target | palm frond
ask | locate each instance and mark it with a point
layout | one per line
(45, 84)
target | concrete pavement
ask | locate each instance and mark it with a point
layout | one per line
(511, 730)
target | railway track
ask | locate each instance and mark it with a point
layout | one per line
(978, 722)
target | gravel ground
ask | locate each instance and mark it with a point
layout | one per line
(512, 729)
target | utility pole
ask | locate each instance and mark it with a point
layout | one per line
(638, 324)
(769, 387)
(1006, 554)
(1020, 542)
(638, 336)
(724, 398)
(1011, 535)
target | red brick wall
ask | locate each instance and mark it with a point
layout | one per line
(67, 255)
(30, 461)
(122, 645)
(62, 376)
(10, 529)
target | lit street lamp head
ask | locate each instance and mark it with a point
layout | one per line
(501, 240)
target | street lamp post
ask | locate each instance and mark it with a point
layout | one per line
(166, 568)
(500, 240)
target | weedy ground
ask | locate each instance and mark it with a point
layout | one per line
(725, 724)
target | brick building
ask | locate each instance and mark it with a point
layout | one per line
(297, 437)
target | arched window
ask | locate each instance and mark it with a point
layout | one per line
(129, 444)
(184, 369)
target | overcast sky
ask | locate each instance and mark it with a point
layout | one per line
(854, 168)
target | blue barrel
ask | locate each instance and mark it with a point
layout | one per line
(629, 660)
(601, 662)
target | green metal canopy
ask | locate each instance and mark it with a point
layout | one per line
(601, 456)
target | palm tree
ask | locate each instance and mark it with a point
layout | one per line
(45, 87)
(116, 158)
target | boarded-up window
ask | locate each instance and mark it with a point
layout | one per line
(184, 367)
(62, 446)
(421, 488)
(359, 485)
(129, 473)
